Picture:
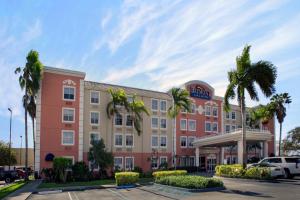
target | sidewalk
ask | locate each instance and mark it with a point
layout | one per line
(24, 192)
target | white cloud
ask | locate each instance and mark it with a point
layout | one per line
(106, 19)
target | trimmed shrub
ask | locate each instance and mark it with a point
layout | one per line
(80, 171)
(190, 181)
(60, 167)
(126, 178)
(258, 173)
(235, 170)
(159, 174)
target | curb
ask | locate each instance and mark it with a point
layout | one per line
(192, 190)
(246, 180)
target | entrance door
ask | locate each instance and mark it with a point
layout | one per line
(202, 163)
(211, 163)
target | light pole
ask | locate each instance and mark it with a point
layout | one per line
(10, 110)
(21, 151)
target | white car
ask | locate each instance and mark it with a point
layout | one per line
(290, 165)
(276, 171)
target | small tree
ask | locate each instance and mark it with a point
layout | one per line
(99, 156)
(60, 167)
(292, 141)
(4, 154)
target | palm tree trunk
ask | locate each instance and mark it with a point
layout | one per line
(112, 133)
(174, 145)
(244, 152)
(32, 119)
(26, 137)
(280, 133)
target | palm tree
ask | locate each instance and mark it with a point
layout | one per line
(181, 100)
(137, 108)
(29, 81)
(243, 79)
(118, 100)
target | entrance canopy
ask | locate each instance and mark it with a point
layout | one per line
(233, 137)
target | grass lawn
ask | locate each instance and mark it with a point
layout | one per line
(6, 190)
(86, 183)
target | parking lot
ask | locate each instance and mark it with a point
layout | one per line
(236, 189)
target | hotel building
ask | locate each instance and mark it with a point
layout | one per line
(71, 111)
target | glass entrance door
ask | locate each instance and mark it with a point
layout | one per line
(211, 163)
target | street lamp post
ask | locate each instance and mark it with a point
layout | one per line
(10, 110)
(21, 151)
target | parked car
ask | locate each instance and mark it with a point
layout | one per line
(21, 173)
(290, 165)
(276, 171)
(8, 175)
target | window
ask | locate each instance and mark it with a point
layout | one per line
(207, 110)
(94, 137)
(154, 104)
(207, 127)
(183, 124)
(192, 125)
(227, 128)
(163, 141)
(68, 114)
(94, 118)
(129, 163)
(129, 120)
(233, 127)
(129, 99)
(67, 138)
(183, 161)
(193, 108)
(154, 163)
(70, 158)
(233, 115)
(95, 97)
(154, 122)
(163, 123)
(118, 162)
(227, 115)
(118, 119)
(183, 141)
(154, 141)
(215, 127)
(183, 110)
(275, 160)
(163, 105)
(118, 140)
(69, 93)
(190, 141)
(191, 161)
(163, 159)
(215, 111)
(129, 140)
(93, 165)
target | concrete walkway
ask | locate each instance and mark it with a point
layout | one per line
(24, 192)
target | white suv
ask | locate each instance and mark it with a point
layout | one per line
(290, 165)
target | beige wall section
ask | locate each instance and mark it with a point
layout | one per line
(142, 143)
(19, 151)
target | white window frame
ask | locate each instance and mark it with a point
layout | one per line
(207, 131)
(115, 120)
(127, 134)
(227, 115)
(118, 134)
(193, 113)
(92, 124)
(234, 115)
(192, 120)
(234, 129)
(153, 99)
(186, 143)
(96, 133)
(122, 165)
(206, 106)
(65, 108)
(157, 122)
(126, 120)
(164, 157)
(163, 111)
(194, 163)
(185, 125)
(215, 107)
(129, 96)
(212, 124)
(227, 125)
(63, 93)
(157, 163)
(62, 137)
(91, 97)
(154, 147)
(132, 163)
(161, 123)
(163, 136)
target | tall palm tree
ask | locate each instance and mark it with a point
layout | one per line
(181, 100)
(137, 108)
(29, 81)
(117, 102)
(243, 79)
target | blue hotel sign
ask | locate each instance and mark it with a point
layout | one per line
(199, 92)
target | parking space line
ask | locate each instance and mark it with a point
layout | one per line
(70, 196)
(118, 194)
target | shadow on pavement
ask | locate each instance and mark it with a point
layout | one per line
(246, 193)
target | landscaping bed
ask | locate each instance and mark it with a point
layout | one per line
(6, 190)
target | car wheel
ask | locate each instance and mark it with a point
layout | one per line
(8, 180)
(287, 173)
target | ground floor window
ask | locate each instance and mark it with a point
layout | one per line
(129, 163)
(187, 161)
(118, 163)
(154, 163)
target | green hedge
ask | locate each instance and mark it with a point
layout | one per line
(126, 178)
(237, 171)
(190, 181)
(159, 174)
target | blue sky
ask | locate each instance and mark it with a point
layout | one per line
(148, 44)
